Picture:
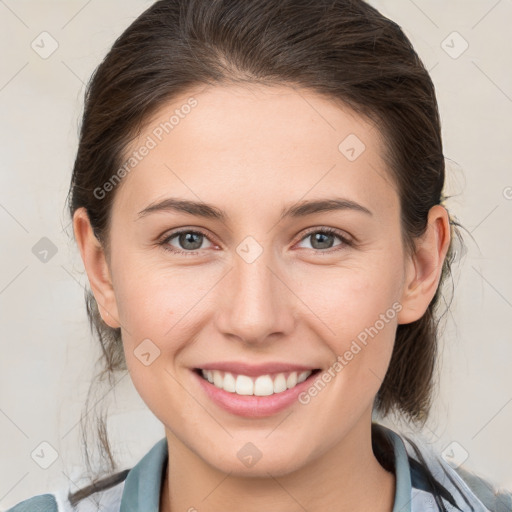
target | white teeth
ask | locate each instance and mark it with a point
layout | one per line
(217, 378)
(303, 376)
(291, 381)
(244, 385)
(263, 385)
(279, 383)
(229, 383)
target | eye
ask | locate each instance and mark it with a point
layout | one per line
(189, 242)
(322, 239)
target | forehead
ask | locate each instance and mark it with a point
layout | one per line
(245, 146)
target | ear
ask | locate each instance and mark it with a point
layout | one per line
(96, 266)
(424, 268)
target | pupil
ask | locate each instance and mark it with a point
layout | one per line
(320, 237)
(187, 238)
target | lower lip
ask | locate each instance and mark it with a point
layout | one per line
(252, 406)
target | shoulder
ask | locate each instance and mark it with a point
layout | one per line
(436, 483)
(497, 500)
(104, 495)
(457, 486)
(40, 503)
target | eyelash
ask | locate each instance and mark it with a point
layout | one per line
(329, 231)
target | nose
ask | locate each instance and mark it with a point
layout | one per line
(256, 304)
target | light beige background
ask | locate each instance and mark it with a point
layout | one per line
(47, 350)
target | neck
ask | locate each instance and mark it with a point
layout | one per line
(346, 478)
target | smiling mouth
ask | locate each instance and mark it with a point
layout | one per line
(262, 385)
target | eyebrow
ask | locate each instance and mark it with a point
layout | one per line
(301, 209)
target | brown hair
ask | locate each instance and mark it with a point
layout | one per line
(343, 49)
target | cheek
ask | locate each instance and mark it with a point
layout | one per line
(361, 315)
(155, 302)
(152, 334)
(356, 313)
(350, 301)
(161, 311)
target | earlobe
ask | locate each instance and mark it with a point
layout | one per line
(424, 268)
(98, 273)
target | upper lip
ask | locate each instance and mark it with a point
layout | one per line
(253, 370)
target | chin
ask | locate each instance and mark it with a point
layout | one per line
(252, 463)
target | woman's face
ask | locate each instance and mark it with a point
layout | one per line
(254, 279)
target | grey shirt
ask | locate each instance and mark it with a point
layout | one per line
(140, 489)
